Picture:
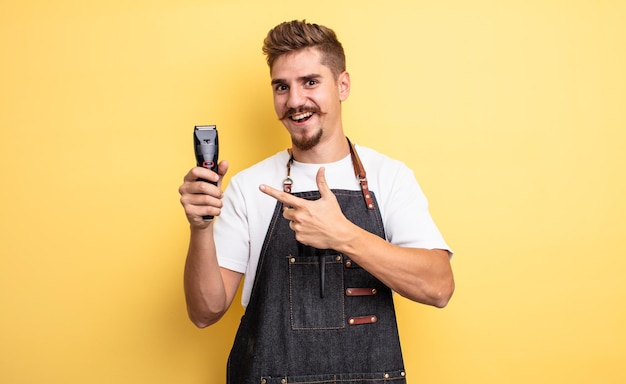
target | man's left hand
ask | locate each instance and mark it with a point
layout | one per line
(317, 223)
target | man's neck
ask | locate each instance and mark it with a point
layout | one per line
(327, 151)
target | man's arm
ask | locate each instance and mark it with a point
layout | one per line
(209, 289)
(420, 275)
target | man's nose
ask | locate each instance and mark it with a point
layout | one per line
(296, 98)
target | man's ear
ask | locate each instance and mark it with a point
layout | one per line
(343, 84)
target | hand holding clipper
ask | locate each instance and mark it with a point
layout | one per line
(206, 150)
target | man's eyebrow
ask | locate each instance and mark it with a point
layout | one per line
(301, 78)
(310, 77)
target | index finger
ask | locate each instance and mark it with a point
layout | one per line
(201, 173)
(287, 199)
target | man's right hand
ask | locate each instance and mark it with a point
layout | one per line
(200, 198)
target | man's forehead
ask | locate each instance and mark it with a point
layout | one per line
(299, 65)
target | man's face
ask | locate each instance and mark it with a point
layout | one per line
(307, 98)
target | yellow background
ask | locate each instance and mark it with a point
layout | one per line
(511, 113)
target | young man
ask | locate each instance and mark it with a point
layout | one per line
(324, 233)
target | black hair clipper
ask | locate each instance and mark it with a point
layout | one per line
(206, 148)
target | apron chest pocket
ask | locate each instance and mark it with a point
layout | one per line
(316, 292)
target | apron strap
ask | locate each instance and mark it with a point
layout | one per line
(359, 172)
(361, 176)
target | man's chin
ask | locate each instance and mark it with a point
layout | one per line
(306, 142)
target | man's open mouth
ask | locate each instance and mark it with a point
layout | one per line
(301, 117)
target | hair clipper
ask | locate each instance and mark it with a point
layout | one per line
(206, 149)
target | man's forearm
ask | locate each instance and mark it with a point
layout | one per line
(421, 275)
(205, 291)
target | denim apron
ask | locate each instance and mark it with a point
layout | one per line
(314, 315)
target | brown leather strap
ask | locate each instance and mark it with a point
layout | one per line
(362, 320)
(359, 171)
(361, 291)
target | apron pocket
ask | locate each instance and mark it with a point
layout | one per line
(316, 289)
(396, 377)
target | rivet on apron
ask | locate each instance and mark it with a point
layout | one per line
(283, 381)
(292, 260)
(402, 373)
(348, 263)
(338, 258)
(386, 376)
(263, 381)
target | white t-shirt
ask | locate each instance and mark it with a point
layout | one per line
(242, 225)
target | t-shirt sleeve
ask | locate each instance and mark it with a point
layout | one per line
(408, 222)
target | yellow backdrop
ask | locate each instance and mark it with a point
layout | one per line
(511, 113)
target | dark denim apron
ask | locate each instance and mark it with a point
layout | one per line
(314, 315)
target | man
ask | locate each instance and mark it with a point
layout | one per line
(324, 233)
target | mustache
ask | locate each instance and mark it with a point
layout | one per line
(292, 111)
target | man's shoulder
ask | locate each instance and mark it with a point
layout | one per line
(376, 160)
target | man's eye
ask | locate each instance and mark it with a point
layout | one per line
(280, 87)
(311, 82)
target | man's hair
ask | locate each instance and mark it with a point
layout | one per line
(292, 36)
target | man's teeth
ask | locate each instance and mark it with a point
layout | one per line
(301, 116)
